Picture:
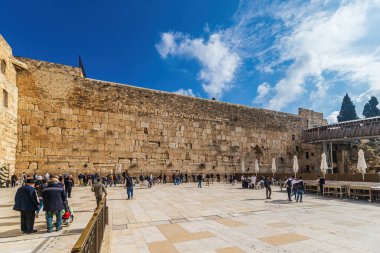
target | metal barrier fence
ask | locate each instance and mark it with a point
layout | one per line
(91, 238)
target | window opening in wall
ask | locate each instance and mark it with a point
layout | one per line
(307, 155)
(145, 130)
(3, 66)
(312, 154)
(297, 148)
(5, 98)
(293, 137)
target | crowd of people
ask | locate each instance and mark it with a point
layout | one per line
(50, 193)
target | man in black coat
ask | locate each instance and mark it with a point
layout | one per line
(69, 183)
(54, 202)
(26, 202)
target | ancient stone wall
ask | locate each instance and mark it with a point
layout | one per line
(314, 119)
(8, 108)
(68, 123)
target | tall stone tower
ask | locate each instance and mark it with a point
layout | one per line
(8, 109)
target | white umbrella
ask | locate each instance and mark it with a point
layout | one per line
(324, 165)
(257, 167)
(362, 166)
(295, 166)
(273, 166)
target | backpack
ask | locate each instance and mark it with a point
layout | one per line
(289, 183)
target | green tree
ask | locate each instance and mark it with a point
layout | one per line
(370, 109)
(347, 111)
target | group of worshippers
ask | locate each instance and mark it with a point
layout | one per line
(47, 193)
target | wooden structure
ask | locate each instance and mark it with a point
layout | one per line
(355, 129)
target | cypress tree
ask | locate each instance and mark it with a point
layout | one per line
(370, 109)
(347, 111)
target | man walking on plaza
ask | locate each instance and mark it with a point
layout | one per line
(26, 203)
(288, 184)
(99, 189)
(268, 188)
(129, 185)
(54, 202)
(321, 181)
(300, 189)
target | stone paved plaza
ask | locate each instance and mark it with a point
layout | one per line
(223, 218)
(216, 218)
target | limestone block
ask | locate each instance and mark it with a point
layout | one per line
(54, 130)
(33, 166)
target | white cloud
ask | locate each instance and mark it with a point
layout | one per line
(263, 91)
(188, 92)
(312, 51)
(332, 118)
(321, 37)
(218, 62)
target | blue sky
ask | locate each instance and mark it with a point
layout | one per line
(271, 54)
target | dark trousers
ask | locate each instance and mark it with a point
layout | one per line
(13, 183)
(268, 192)
(27, 221)
(68, 191)
(321, 189)
(289, 190)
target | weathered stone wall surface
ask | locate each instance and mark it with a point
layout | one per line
(314, 119)
(69, 123)
(8, 109)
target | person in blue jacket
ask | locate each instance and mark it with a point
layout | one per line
(54, 202)
(26, 203)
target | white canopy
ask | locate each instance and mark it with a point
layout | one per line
(273, 166)
(257, 166)
(295, 166)
(324, 165)
(362, 166)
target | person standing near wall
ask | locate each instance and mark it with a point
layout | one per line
(321, 181)
(26, 203)
(200, 178)
(14, 180)
(129, 185)
(69, 183)
(80, 177)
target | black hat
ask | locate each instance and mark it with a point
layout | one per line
(30, 181)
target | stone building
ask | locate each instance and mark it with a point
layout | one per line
(69, 123)
(8, 106)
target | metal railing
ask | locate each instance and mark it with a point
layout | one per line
(90, 241)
